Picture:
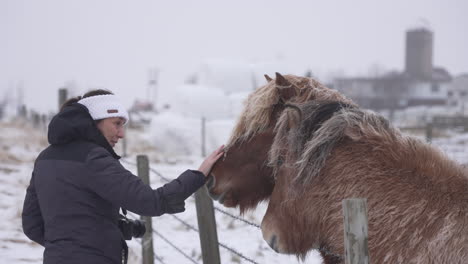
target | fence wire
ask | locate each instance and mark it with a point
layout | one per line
(158, 258)
(160, 175)
(128, 162)
(191, 227)
(237, 253)
(175, 247)
(236, 217)
(151, 169)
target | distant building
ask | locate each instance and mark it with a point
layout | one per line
(419, 84)
(458, 93)
(419, 50)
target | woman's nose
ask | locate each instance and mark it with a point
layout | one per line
(121, 133)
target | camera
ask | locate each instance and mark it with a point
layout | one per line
(131, 228)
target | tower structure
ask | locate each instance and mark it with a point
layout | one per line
(419, 52)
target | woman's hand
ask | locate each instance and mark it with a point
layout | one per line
(209, 161)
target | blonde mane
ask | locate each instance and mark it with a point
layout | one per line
(257, 115)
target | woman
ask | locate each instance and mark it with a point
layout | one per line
(78, 185)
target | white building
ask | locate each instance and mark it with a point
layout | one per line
(458, 94)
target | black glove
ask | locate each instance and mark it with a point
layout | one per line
(175, 207)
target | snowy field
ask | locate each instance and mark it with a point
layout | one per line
(20, 144)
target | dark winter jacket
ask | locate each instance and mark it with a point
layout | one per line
(77, 187)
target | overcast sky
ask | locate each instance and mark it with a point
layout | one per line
(112, 43)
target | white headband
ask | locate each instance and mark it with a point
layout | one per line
(104, 106)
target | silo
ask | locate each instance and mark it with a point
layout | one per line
(418, 60)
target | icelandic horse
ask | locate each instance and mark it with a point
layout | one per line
(306, 147)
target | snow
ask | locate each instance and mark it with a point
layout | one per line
(174, 134)
(199, 100)
(231, 76)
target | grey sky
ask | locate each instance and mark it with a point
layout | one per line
(112, 44)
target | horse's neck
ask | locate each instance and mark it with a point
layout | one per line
(413, 191)
(432, 169)
(405, 166)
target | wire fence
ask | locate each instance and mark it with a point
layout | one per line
(158, 258)
(193, 228)
(236, 217)
(174, 246)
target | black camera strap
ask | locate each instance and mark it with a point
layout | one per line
(124, 244)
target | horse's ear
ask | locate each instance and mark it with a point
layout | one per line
(286, 89)
(268, 78)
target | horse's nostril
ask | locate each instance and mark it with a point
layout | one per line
(217, 197)
(210, 182)
(272, 243)
(221, 198)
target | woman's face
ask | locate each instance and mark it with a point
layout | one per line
(112, 128)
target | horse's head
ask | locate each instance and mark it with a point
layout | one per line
(243, 178)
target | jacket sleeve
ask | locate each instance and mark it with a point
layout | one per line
(33, 224)
(110, 180)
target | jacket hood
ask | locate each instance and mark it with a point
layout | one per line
(75, 123)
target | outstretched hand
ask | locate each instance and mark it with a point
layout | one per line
(209, 161)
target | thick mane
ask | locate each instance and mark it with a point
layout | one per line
(259, 106)
(310, 138)
(289, 119)
(291, 133)
(352, 123)
(308, 134)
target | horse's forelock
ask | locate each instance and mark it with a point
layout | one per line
(256, 114)
(287, 122)
(259, 106)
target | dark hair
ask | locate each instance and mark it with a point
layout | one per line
(88, 94)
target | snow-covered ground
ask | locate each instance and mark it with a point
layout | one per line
(20, 144)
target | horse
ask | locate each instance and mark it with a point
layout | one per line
(243, 178)
(306, 178)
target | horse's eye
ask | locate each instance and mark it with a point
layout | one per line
(280, 161)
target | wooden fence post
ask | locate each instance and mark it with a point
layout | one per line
(429, 130)
(206, 218)
(147, 240)
(355, 231)
(124, 144)
(203, 137)
(62, 97)
(207, 227)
